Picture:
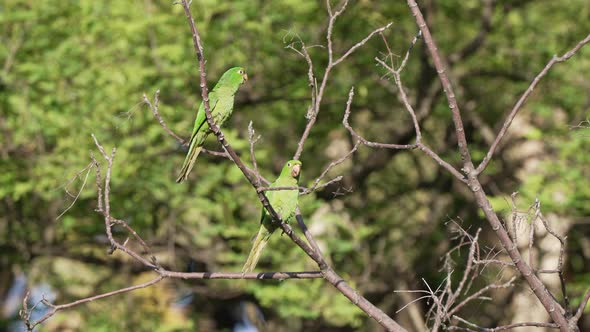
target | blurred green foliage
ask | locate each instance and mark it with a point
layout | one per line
(73, 68)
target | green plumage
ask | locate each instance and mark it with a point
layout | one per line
(284, 203)
(221, 103)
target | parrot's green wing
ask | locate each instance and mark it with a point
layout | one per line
(201, 125)
(202, 116)
(284, 202)
(200, 132)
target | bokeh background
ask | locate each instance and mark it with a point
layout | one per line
(72, 68)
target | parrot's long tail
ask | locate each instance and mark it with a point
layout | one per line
(259, 243)
(189, 161)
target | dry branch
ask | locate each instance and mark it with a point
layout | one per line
(517, 107)
(548, 301)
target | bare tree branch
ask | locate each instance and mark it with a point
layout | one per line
(562, 246)
(317, 100)
(333, 164)
(556, 59)
(253, 141)
(554, 309)
(582, 306)
(55, 308)
(500, 328)
(479, 293)
(378, 145)
(154, 108)
(240, 275)
(103, 190)
(25, 314)
(88, 168)
(447, 295)
(444, 79)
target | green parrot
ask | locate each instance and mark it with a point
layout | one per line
(284, 203)
(221, 103)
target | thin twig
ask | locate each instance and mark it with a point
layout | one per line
(240, 275)
(88, 168)
(362, 139)
(531, 241)
(582, 306)
(253, 141)
(562, 246)
(492, 261)
(317, 100)
(442, 162)
(306, 232)
(56, 308)
(444, 79)
(333, 164)
(477, 294)
(104, 207)
(418, 145)
(145, 246)
(472, 248)
(361, 43)
(403, 97)
(506, 327)
(556, 59)
(154, 108)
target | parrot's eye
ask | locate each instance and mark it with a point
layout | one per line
(241, 72)
(288, 164)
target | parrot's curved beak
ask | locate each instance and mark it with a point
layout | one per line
(245, 77)
(295, 170)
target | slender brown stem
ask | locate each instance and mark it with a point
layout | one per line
(501, 328)
(582, 306)
(444, 79)
(56, 308)
(155, 111)
(332, 62)
(240, 275)
(517, 107)
(479, 293)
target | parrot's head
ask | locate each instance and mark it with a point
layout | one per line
(235, 76)
(292, 167)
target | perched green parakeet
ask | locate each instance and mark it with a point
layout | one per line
(284, 203)
(221, 103)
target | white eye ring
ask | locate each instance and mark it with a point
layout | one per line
(241, 72)
(289, 165)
